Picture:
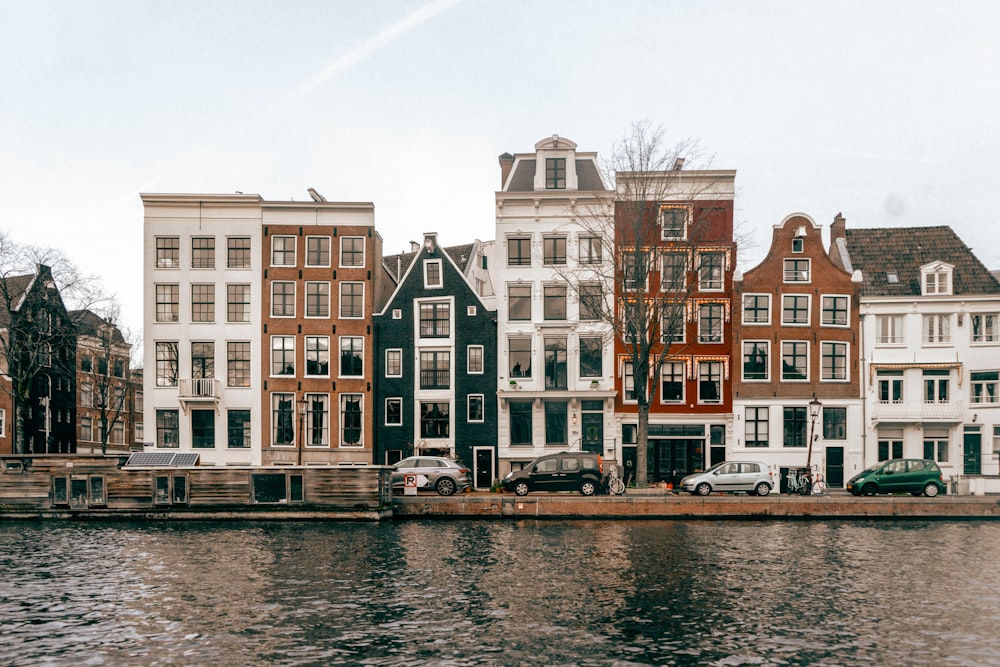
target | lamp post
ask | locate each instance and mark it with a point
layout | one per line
(814, 407)
(301, 404)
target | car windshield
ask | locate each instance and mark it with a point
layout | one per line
(874, 467)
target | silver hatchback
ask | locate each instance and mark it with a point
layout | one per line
(753, 477)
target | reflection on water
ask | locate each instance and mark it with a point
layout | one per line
(500, 593)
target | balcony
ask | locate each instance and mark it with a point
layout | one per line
(919, 412)
(199, 391)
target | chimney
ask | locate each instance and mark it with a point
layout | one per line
(506, 164)
(838, 230)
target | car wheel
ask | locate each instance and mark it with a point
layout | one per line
(931, 490)
(445, 486)
(762, 489)
(588, 488)
(703, 489)
(521, 488)
(869, 490)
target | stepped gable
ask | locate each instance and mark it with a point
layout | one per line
(878, 253)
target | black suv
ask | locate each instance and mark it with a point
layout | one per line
(565, 471)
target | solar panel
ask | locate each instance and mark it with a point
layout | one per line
(162, 459)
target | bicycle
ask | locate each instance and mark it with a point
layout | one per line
(616, 485)
(799, 481)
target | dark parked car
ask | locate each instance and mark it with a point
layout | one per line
(444, 475)
(565, 471)
(916, 476)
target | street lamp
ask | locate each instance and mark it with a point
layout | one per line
(301, 403)
(814, 407)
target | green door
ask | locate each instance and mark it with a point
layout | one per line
(973, 449)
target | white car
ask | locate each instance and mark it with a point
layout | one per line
(753, 477)
(444, 475)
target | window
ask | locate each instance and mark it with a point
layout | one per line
(167, 300)
(352, 300)
(435, 370)
(237, 303)
(590, 250)
(118, 433)
(673, 271)
(352, 251)
(628, 382)
(835, 311)
(86, 363)
(591, 357)
(394, 363)
(238, 429)
(203, 429)
(317, 420)
(890, 386)
(937, 329)
(238, 364)
(756, 309)
(673, 222)
(474, 359)
(166, 364)
(795, 309)
(555, 173)
(798, 245)
(554, 250)
(556, 422)
(889, 329)
(318, 356)
(282, 419)
(202, 303)
(168, 252)
(755, 360)
(202, 253)
(86, 429)
(282, 251)
(518, 302)
(984, 387)
(889, 449)
(673, 324)
(936, 449)
(835, 423)
(282, 355)
(795, 427)
(119, 369)
(710, 323)
(167, 428)
(352, 356)
(795, 360)
(834, 360)
(796, 270)
(757, 427)
(936, 386)
(102, 366)
(274, 488)
(138, 400)
(476, 408)
(635, 270)
(435, 420)
(710, 270)
(317, 251)
(520, 423)
(519, 353)
(238, 252)
(435, 319)
(672, 382)
(350, 420)
(555, 363)
(984, 327)
(937, 281)
(709, 382)
(591, 301)
(3, 423)
(282, 299)
(317, 299)
(432, 274)
(519, 251)
(554, 302)
(202, 359)
(470, 311)
(87, 394)
(394, 411)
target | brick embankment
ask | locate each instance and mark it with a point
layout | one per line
(668, 506)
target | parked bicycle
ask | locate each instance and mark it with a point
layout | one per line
(616, 485)
(799, 481)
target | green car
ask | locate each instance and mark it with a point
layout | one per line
(916, 476)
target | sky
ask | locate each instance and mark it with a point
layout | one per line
(886, 111)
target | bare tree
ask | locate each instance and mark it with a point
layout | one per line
(663, 211)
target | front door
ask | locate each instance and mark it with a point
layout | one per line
(484, 475)
(673, 459)
(835, 467)
(973, 446)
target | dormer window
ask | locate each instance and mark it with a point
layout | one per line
(936, 278)
(555, 173)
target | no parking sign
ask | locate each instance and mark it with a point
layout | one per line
(409, 484)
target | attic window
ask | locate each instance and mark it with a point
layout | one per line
(798, 245)
(937, 279)
(555, 173)
(891, 277)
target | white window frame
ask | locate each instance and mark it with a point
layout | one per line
(306, 352)
(329, 249)
(284, 251)
(984, 383)
(823, 346)
(747, 322)
(468, 409)
(394, 352)
(664, 236)
(340, 352)
(722, 382)
(340, 421)
(847, 311)
(468, 360)
(364, 251)
(936, 329)
(890, 329)
(327, 304)
(340, 303)
(385, 419)
(324, 428)
(671, 364)
(767, 365)
(283, 282)
(936, 279)
(795, 295)
(987, 334)
(440, 271)
(283, 349)
(796, 275)
(712, 285)
(782, 377)
(705, 337)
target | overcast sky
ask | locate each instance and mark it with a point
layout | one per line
(886, 111)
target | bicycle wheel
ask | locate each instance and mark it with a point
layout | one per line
(616, 486)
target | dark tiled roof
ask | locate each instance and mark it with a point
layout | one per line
(903, 250)
(523, 178)
(461, 254)
(88, 323)
(13, 288)
(398, 264)
(588, 178)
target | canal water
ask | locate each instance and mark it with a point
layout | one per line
(454, 593)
